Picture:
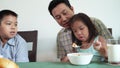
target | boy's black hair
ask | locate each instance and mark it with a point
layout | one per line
(4, 13)
(54, 3)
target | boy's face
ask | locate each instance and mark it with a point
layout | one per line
(8, 27)
(80, 30)
(62, 14)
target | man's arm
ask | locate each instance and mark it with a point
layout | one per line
(102, 29)
(61, 54)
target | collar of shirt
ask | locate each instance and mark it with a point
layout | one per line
(67, 29)
(11, 41)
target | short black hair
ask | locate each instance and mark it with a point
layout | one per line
(4, 13)
(87, 21)
(54, 3)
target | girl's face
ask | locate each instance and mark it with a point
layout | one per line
(80, 30)
(8, 27)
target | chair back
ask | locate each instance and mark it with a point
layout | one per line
(110, 30)
(30, 37)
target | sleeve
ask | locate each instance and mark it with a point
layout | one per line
(60, 48)
(22, 51)
(102, 29)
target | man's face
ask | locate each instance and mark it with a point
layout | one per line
(62, 14)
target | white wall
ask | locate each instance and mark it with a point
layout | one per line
(34, 15)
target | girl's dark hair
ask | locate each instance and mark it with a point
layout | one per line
(86, 20)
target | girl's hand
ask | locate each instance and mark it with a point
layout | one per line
(97, 45)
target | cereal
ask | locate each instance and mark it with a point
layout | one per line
(74, 45)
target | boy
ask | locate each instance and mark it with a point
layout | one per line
(12, 45)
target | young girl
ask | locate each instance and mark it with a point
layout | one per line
(86, 36)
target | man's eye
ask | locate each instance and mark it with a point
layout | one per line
(65, 13)
(15, 24)
(57, 17)
(8, 23)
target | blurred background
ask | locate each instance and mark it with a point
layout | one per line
(34, 15)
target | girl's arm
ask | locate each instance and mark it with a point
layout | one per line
(101, 46)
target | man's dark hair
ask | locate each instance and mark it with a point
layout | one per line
(54, 3)
(4, 13)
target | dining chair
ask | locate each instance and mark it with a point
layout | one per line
(110, 29)
(31, 39)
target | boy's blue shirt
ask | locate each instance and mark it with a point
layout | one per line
(15, 49)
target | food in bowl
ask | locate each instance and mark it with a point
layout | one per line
(80, 58)
(6, 63)
(74, 45)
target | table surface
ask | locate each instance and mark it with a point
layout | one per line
(65, 65)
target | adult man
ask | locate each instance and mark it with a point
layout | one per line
(62, 11)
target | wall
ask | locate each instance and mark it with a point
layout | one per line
(34, 15)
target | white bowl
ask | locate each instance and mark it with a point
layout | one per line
(80, 58)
